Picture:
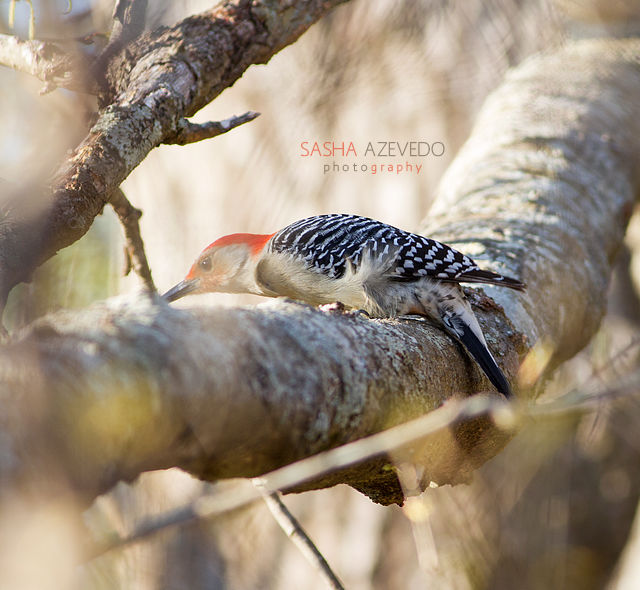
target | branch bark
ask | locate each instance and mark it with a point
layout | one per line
(128, 23)
(53, 63)
(136, 258)
(188, 132)
(546, 185)
(542, 190)
(149, 88)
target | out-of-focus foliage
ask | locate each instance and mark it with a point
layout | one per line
(560, 498)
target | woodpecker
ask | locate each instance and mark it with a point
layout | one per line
(362, 263)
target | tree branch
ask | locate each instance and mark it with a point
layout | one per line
(546, 185)
(542, 191)
(128, 23)
(134, 246)
(210, 383)
(188, 132)
(293, 529)
(47, 61)
(150, 87)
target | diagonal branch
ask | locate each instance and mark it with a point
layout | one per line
(293, 529)
(150, 87)
(404, 435)
(313, 468)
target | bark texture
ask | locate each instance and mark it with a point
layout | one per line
(542, 191)
(148, 89)
(53, 63)
(226, 392)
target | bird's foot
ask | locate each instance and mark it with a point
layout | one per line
(360, 313)
(339, 307)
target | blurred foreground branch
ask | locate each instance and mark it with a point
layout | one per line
(392, 441)
(293, 476)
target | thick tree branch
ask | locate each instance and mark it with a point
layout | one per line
(150, 87)
(542, 191)
(231, 392)
(547, 183)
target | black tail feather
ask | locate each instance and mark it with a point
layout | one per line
(492, 278)
(483, 357)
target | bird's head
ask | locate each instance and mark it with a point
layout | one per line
(226, 266)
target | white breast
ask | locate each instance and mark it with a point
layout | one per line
(284, 275)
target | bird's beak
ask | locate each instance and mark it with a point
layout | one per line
(181, 289)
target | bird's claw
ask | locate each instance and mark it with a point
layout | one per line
(339, 307)
(360, 313)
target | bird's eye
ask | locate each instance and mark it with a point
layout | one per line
(205, 264)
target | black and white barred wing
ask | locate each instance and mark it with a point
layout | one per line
(423, 257)
(329, 244)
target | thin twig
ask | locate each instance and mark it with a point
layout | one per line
(188, 132)
(134, 246)
(597, 372)
(293, 529)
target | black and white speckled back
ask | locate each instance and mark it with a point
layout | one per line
(327, 243)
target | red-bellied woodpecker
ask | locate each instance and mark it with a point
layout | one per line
(363, 263)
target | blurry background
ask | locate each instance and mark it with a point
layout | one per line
(555, 508)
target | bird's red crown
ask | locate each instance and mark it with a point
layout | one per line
(256, 242)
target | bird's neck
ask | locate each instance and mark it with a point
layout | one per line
(247, 281)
